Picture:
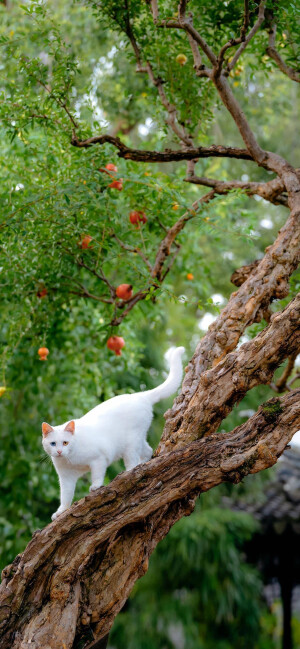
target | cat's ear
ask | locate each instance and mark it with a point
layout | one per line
(70, 427)
(46, 429)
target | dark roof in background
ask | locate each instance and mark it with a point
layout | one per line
(280, 508)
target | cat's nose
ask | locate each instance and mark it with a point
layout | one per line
(59, 452)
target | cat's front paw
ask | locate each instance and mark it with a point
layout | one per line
(95, 486)
(57, 513)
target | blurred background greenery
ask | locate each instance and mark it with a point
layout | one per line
(199, 591)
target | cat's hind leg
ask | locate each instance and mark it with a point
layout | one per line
(98, 470)
(146, 453)
(131, 459)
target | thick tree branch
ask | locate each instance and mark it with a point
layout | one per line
(274, 54)
(72, 574)
(269, 280)
(271, 191)
(225, 384)
(214, 151)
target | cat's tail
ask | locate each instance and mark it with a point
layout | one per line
(173, 381)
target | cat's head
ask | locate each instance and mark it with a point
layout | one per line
(57, 440)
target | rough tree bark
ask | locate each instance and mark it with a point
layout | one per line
(65, 590)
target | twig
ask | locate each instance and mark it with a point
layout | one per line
(100, 275)
(165, 246)
(154, 9)
(281, 383)
(256, 26)
(188, 26)
(274, 54)
(136, 251)
(172, 120)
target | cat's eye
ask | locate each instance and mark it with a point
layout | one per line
(65, 443)
(52, 443)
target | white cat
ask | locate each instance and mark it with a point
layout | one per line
(112, 430)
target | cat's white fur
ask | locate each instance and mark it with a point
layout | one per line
(112, 430)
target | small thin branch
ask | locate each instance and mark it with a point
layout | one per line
(130, 34)
(187, 26)
(281, 383)
(171, 261)
(59, 102)
(85, 292)
(274, 54)
(165, 246)
(157, 271)
(182, 9)
(154, 10)
(246, 20)
(172, 119)
(255, 28)
(293, 380)
(233, 41)
(136, 251)
(99, 274)
(140, 295)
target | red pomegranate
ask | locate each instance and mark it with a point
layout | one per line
(111, 167)
(43, 353)
(42, 292)
(137, 216)
(117, 184)
(124, 291)
(116, 343)
(142, 217)
(85, 241)
(134, 217)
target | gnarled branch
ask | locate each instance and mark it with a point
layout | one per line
(247, 305)
(72, 575)
(271, 191)
(212, 151)
(228, 381)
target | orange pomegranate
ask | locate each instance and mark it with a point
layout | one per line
(117, 184)
(137, 216)
(43, 353)
(190, 276)
(85, 241)
(124, 291)
(115, 344)
(111, 167)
